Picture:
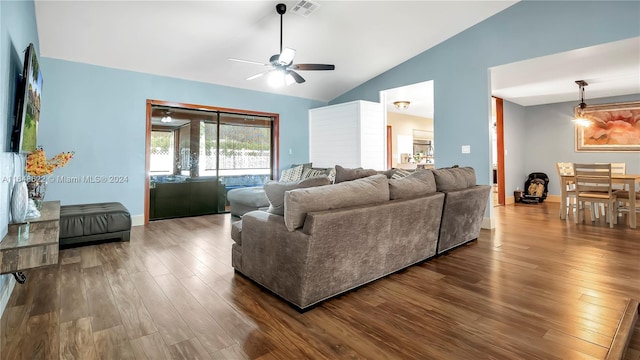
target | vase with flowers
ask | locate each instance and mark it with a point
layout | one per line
(38, 167)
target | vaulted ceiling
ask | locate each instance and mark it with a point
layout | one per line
(194, 39)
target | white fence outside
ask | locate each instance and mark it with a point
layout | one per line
(242, 159)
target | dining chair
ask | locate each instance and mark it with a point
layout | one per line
(566, 168)
(593, 184)
(623, 205)
(616, 169)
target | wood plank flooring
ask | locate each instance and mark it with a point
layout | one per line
(536, 287)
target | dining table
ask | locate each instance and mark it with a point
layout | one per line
(628, 180)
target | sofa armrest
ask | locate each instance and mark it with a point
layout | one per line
(236, 232)
(273, 256)
(462, 216)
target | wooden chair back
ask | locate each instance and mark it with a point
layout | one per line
(592, 179)
(564, 168)
(619, 168)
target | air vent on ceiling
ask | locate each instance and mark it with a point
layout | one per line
(305, 8)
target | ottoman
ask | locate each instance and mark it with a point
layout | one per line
(243, 200)
(92, 222)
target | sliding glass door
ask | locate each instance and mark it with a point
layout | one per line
(197, 156)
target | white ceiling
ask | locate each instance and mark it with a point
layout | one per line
(194, 39)
(610, 69)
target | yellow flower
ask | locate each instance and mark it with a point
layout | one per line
(37, 164)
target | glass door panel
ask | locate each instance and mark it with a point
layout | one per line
(244, 150)
(198, 155)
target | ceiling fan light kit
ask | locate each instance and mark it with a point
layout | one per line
(282, 72)
(167, 117)
(277, 78)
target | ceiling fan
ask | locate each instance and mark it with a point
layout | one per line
(282, 71)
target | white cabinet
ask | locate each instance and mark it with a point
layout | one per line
(350, 134)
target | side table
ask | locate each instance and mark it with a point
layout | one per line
(32, 243)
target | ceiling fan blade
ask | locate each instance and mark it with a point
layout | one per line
(286, 56)
(248, 61)
(305, 67)
(299, 79)
(257, 75)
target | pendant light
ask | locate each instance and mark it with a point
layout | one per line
(580, 119)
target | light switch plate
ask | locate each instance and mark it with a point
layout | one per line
(466, 149)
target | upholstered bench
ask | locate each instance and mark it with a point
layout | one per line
(93, 222)
(243, 200)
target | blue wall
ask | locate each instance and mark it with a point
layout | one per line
(459, 66)
(17, 30)
(515, 157)
(100, 113)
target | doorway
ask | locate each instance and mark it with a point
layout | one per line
(410, 131)
(196, 153)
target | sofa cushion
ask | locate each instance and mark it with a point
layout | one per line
(275, 190)
(450, 179)
(370, 190)
(252, 196)
(418, 183)
(345, 174)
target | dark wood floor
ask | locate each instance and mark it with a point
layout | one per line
(535, 287)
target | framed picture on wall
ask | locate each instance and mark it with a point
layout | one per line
(614, 127)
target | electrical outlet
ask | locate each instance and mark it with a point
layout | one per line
(466, 149)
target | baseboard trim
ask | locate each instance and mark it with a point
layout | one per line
(137, 220)
(553, 198)
(624, 331)
(550, 198)
(488, 223)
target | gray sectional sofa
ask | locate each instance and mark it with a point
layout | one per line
(329, 239)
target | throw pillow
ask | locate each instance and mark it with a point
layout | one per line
(304, 166)
(400, 173)
(299, 202)
(275, 191)
(313, 172)
(345, 174)
(331, 173)
(418, 183)
(292, 174)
